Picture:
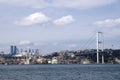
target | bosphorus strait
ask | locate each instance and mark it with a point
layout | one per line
(60, 72)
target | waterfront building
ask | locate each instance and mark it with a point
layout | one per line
(41, 60)
(54, 60)
(2, 60)
(117, 60)
(85, 61)
(49, 61)
(27, 61)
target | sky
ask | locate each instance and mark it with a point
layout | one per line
(55, 25)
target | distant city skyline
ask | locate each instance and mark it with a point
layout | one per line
(55, 25)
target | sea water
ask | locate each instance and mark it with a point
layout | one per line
(60, 72)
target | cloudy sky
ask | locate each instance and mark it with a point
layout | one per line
(54, 25)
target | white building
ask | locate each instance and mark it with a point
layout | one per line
(54, 60)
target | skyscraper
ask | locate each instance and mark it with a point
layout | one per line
(13, 49)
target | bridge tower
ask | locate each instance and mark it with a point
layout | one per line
(100, 45)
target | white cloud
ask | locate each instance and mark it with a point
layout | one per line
(64, 20)
(25, 42)
(81, 4)
(36, 18)
(108, 23)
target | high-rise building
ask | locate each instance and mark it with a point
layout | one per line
(13, 49)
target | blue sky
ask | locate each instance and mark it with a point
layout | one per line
(55, 25)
